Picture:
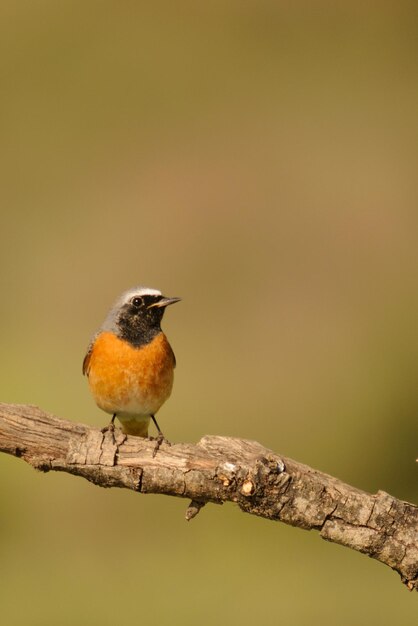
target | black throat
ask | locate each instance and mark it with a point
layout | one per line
(139, 327)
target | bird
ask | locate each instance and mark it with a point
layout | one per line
(129, 362)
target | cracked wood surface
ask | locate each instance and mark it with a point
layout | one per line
(221, 469)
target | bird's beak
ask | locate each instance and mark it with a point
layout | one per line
(164, 302)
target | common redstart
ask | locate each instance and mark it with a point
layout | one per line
(129, 362)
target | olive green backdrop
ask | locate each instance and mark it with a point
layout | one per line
(258, 159)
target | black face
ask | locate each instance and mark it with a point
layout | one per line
(139, 321)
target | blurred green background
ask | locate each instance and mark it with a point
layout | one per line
(259, 159)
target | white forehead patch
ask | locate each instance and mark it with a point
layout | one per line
(135, 291)
(139, 291)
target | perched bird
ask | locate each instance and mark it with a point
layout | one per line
(129, 362)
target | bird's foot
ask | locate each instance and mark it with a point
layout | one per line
(159, 439)
(110, 428)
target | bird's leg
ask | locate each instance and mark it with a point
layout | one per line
(160, 437)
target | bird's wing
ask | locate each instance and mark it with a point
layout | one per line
(86, 360)
(174, 357)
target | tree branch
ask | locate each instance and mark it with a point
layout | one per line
(221, 469)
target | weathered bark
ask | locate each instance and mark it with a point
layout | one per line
(220, 469)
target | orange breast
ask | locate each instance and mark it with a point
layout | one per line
(129, 381)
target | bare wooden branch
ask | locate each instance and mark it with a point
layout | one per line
(221, 469)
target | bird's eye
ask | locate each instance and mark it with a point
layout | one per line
(137, 302)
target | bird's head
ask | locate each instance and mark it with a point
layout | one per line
(136, 315)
